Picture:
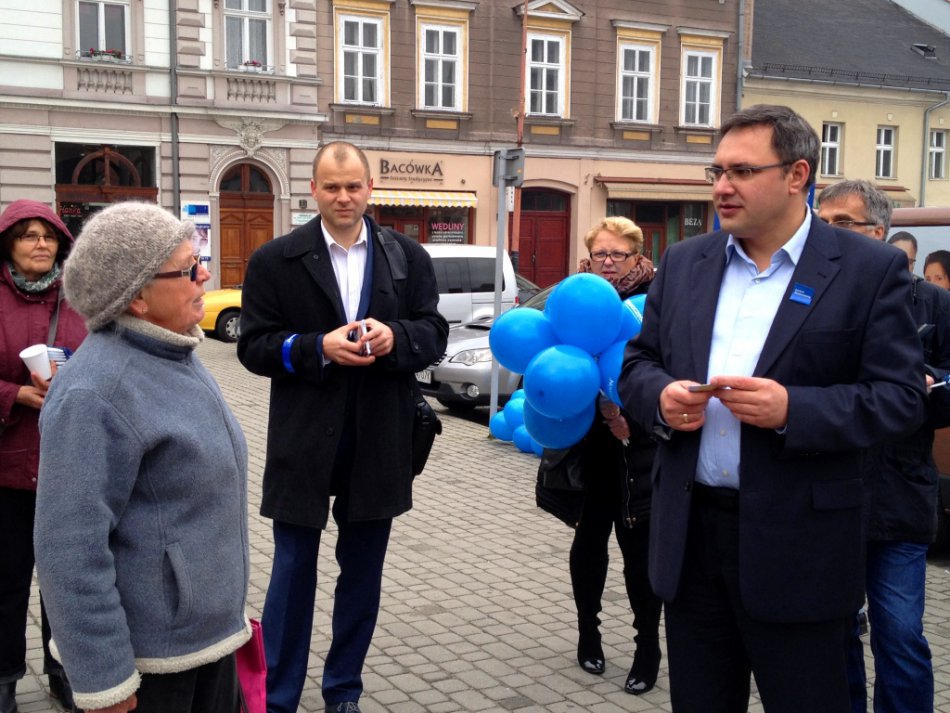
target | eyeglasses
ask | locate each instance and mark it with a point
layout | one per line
(191, 272)
(738, 174)
(850, 224)
(34, 238)
(615, 256)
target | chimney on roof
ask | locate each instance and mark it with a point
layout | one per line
(925, 51)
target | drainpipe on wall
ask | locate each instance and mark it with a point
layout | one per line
(173, 87)
(740, 58)
(925, 162)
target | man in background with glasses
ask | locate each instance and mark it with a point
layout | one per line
(773, 353)
(904, 491)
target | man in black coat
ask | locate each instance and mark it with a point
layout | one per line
(904, 493)
(340, 315)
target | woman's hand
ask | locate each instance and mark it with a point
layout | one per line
(33, 396)
(128, 704)
(614, 419)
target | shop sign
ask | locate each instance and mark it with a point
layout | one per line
(447, 231)
(301, 218)
(411, 171)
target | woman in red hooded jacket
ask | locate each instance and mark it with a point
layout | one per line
(34, 243)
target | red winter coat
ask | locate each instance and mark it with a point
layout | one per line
(24, 320)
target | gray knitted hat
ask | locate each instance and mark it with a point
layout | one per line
(118, 251)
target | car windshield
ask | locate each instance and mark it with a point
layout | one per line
(539, 300)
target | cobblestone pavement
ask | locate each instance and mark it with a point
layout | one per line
(476, 612)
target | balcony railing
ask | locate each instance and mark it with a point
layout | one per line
(107, 56)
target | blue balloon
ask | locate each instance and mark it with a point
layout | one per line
(537, 448)
(522, 439)
(585, 312)
(514, 413)
(609, 363)
(554, 433)
(518, 335)
(561, 381)
(499, 427)
(518, 394)
(632, 318)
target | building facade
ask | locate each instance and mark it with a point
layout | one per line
(878, 98)
(214, 109)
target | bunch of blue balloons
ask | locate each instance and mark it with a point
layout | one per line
(568, 354)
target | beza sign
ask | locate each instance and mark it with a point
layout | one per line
(411, 170)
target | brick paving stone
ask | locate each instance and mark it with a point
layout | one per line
(476, 610)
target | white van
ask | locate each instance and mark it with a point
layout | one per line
(466, 278)
(931, 227)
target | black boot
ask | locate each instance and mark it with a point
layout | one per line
(590, 654)
(8, 697)
(60, 689)
(646, 667)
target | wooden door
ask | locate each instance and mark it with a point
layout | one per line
(246, 211)
(654, 241)
(545, 234)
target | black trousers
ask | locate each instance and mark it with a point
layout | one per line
(17, 509)
(589, 560)
(714, 645)
(212, 688)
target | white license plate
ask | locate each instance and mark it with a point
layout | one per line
(424, 377)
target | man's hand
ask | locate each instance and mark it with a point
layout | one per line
(758, 402)
(337, 346)
(684, 410)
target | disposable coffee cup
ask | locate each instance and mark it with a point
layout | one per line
(36, 359)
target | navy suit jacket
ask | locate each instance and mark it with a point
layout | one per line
(852, 365)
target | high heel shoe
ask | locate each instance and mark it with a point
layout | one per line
(643, 673)
(590, 654)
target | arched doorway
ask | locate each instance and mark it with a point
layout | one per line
(545, 234)
(246, 207)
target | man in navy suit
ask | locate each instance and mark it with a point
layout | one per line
(803, 340)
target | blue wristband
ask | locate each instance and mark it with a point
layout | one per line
(285, 352)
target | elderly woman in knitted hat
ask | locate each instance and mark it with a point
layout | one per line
(141, 517)
(33, 244)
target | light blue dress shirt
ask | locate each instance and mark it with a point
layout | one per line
(748, 301)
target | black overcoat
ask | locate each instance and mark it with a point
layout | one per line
(290, 288)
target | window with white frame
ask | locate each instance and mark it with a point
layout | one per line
(830, 149)
(884, 164)
(441, 67)
(699, 80)
(636, 82)
(938, 153)
(247, 26)
(103, 29)
(546, 75)
(361, 49)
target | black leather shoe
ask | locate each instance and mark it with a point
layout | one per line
(8, 697)
(645, 669)
(344, 707)
(590, 654)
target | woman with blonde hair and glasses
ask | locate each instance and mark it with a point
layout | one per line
(616, 463)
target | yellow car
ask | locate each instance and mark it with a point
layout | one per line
(223, 313)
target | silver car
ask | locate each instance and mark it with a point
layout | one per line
(461, 378)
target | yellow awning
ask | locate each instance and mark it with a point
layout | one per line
(442, 199)
(658, 191)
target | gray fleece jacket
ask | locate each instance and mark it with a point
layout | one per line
(141, 513)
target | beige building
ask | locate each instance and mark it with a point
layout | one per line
(879, 99)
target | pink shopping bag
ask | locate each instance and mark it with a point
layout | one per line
(252, 671)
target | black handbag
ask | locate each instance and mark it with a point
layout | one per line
(425, 427)
(559, 490)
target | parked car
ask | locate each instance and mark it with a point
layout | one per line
(223, 313)
(526, 288)
(461, 378)
(466, 278)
